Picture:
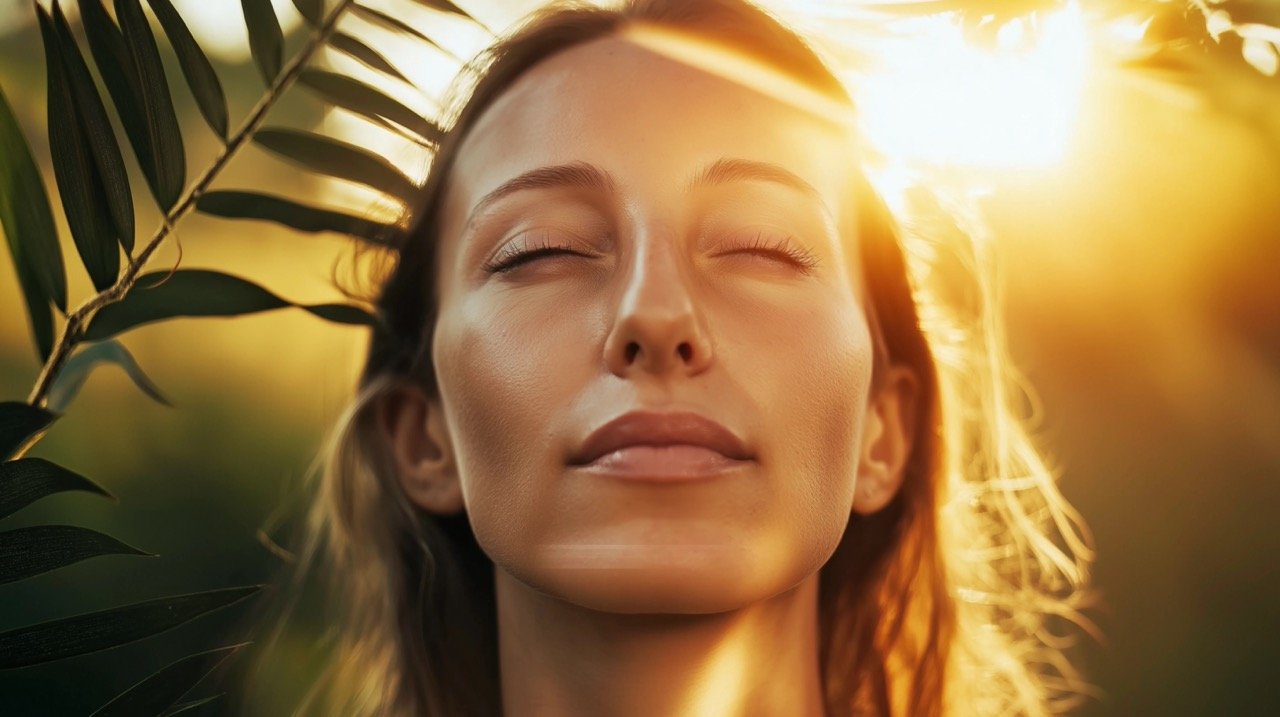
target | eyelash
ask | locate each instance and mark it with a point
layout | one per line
(511, 258)
(783, 247)
(516, 254)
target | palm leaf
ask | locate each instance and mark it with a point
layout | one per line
(366, 55)
(30, 479)
(200, 292)
(203, 81)
(169, 163)
(37, 549)
(83, 198)
(191, 706)
(115, 65)
(311, 10)
(157, 694)
(266, 207)
(91, 632)
(27, 220)
(266, 40)
(444, 6)
(96, 127)
(18, 423)
(378, 17)
(77, 369)
(338, 159)
(356, 96)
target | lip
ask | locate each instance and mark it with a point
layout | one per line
(660, 446)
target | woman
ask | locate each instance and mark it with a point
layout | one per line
(652, 425)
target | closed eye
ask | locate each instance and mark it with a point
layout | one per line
(522, 252)
(782, 248)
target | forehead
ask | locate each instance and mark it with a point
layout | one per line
(645, 118)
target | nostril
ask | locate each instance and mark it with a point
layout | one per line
(686, 351)
(632, 349)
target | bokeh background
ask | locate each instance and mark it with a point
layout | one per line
(1139, 265)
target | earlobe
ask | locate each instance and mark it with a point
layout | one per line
(886, 441)
(421, 449)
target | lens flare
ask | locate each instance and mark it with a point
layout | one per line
(937, 97)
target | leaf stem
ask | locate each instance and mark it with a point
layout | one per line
(78, 320)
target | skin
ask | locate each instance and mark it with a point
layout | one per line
(618, 598)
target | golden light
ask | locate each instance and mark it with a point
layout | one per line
(936, 97)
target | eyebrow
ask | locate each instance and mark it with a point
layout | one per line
(581, 175)
(726, 171)
(574, 175)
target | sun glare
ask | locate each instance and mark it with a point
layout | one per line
(936, 97)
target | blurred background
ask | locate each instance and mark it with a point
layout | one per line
(1134, 208)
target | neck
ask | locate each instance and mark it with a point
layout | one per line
(557, 658)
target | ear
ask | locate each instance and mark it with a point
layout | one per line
(887, 434)
(422, 449)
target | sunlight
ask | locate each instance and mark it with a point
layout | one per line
(937, 98)
(223, 36)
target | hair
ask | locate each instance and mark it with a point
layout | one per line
(942, 603)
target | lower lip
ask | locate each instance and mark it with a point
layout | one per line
(671, 463)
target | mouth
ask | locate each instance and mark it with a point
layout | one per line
(662, 446)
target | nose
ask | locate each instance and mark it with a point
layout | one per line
(657, 327)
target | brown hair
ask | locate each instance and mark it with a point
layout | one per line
(899, 636)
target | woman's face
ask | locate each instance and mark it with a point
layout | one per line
(705, 264)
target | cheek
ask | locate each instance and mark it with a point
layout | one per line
(502, 371)
(811, 364)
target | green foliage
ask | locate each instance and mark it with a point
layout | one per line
(201, 78)
(83, 634)
(200, 292)
(77, 369)
(97, 198)
(28, 226)
(30, 479)
(18, 423)
(160, 691)
(295, 215)
(80, 183)
(266, 41)
(337, 159)
(25, 552)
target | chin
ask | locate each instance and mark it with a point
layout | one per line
(647, 579)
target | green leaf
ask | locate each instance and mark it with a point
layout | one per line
(83, 197)
(18, 423)
(169, 162)
(356, 96)
(311, 10)
(266, 41)
(378, 17)
(78, 367)
(444, 6)
(200, 292)
(30, 551)
(158, 693)
(191, 706)
(28, 226)
(366, 55)
(105, 629)
(338, 159)
(266, 207)
(95, 125)
(25, 481)
(203, 81)
(115, 64)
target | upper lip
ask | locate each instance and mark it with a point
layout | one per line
(651, 428)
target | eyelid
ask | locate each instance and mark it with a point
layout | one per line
(775, 242)
(531, 241)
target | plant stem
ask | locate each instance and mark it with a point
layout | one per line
(78, 320)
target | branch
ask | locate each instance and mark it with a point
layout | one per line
(78, 320)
